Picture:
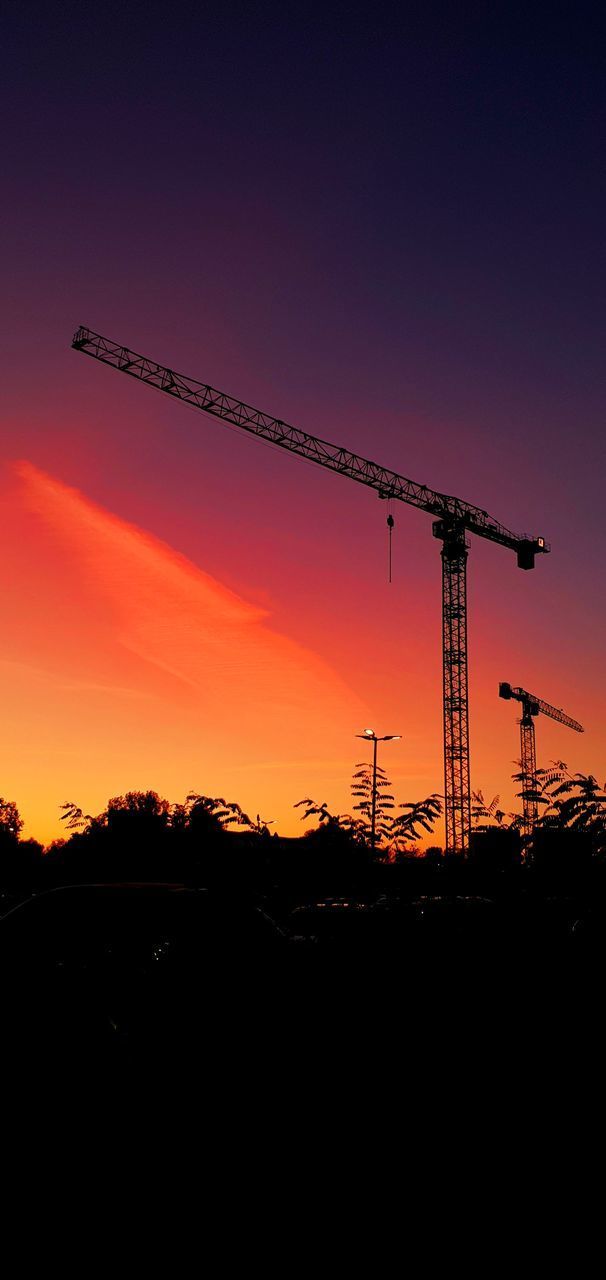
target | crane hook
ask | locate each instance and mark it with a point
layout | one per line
(390, 525)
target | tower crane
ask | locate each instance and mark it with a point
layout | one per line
(454, 519)
(531, 707)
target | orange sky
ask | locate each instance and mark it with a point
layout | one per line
(127, 665)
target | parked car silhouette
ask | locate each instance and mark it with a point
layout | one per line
(127, 958)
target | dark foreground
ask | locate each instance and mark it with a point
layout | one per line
(240, 978)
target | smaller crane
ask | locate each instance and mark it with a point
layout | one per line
(532, 706)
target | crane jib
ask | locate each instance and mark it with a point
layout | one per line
(533, 706)
(453, 514)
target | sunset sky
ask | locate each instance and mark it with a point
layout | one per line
(383, 224)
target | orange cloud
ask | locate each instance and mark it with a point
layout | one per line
(126, 665)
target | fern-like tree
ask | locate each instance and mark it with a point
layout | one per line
(372, 789)
(320, 811)
(573, 802)
(485, 813)
(534, 798)
(397, 834)
(418, 816)
(334, 824)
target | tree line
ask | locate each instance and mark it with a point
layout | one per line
(141, 834)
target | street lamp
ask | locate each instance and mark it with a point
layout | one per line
(369, 735)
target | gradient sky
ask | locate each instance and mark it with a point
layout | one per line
(384, 225)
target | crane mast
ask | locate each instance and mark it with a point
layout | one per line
(531, 707)
(454, 519)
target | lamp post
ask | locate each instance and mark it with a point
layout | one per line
(369, 735)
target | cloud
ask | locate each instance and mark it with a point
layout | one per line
(148, 616)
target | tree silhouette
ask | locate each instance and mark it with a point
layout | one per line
(319, 811)
(418, 816)
(146, 816)
(573, 802)
(532, 790)
(11, 823)
(262, 825)
(216, 812)
(484, 813)
(145, 804)
(393, 834)
(74, 818)
(362, 788)
(20, 860)
(350, 827)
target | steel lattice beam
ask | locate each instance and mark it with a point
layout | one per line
(529, 774)
(533, 706)
(388, 483)
(456, 704)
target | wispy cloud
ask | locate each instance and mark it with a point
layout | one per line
(154, 669)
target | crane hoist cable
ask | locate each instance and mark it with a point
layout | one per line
(390, 525)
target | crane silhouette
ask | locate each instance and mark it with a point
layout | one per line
(531, 707)
(454, 520)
